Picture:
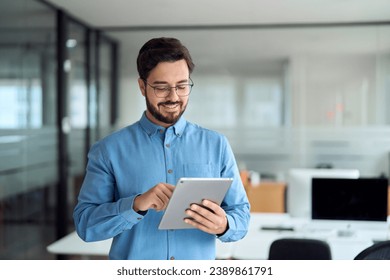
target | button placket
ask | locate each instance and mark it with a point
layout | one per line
(168, 155)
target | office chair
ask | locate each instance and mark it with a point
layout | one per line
(378, 251)
(299, 249)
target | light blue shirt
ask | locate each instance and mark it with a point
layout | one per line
(134, 159)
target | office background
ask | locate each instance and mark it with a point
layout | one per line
(293, 85)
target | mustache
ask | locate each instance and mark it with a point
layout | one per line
(170, 103)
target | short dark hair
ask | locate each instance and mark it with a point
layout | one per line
(161, 50)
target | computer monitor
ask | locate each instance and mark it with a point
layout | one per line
(299, 187)
(354, 203)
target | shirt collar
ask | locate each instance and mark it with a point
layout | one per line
(151, 128)
(179, 126)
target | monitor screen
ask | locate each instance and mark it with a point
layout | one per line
(299, 187)
(363, 199)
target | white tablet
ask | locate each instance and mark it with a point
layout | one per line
(189, 191)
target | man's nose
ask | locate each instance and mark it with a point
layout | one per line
(173, 94)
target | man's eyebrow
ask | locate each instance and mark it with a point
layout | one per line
(165, 83)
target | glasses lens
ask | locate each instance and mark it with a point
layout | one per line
(162, 91)
(183, 90)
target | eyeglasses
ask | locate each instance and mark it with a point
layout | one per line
(164, 91)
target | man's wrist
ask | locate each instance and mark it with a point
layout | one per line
(226, 229)
(135, 204)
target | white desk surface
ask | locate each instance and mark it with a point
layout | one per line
(255, 245)
(72, 244)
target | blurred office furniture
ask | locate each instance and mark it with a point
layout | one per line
(378, 251)
(244, 174)
(267, 197)
(299, 249)
(264, 229)
(72, 244)
(346, 205)
(299, 182)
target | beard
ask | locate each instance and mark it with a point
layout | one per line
(168, 117)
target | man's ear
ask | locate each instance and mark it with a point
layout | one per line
(141, 85)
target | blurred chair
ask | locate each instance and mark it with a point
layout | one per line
(299, 249)
(267, 197)
(378, 251)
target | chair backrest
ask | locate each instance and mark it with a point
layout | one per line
(378, 251)
(299, 249)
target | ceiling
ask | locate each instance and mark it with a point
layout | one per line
(103, 13)
(243, 36)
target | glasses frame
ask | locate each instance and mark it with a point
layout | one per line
(170, 89)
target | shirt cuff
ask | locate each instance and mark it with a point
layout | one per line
(229, 230)
(127, 212)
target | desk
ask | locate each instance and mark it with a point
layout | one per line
(72, 244)
(255, 245)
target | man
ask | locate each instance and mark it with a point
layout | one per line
(131, 173)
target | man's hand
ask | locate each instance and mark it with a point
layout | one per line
(208, 217)
(156, 198)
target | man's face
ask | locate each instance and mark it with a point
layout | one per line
(165, 111)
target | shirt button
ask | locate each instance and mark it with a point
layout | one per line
(167, 145)
(172, 258)
(161, 130)
(170, 171)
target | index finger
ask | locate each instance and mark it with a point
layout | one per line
(170, 187)
(167, 189)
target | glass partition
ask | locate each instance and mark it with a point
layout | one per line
(28, 133)
(49, 111)
(77, 97)
(105, 89)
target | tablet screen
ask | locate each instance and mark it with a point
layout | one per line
(189, 191)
